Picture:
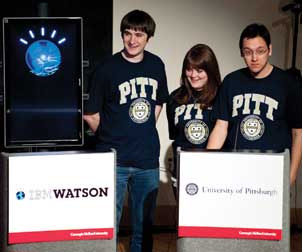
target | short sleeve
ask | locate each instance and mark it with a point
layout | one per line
(96, 92)
(162, 91)
(294, 103)
(221, 109)
(170, 111)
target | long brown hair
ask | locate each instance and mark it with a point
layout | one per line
(202, 57)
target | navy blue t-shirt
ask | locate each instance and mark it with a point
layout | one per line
(260, 112)
(125, 95)
(189, 125)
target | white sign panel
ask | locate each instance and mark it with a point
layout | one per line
(231, 195)
(61, 197)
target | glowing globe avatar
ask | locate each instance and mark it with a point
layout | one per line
(43, 58)
(20, 195)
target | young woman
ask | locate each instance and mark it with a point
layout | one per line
(189, 107)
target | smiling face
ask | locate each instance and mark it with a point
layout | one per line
(256, 55)
(134, 42)
(197, 78)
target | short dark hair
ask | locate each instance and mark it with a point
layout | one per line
(139, 21)
(253, 31)
(200, 56)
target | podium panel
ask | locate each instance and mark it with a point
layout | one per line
(233, 202)
(58, 201)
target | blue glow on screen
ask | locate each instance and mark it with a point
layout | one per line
(43, 57)
(31, 34)
(53, 34)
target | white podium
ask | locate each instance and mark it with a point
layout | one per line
(233, 201)
(58, 201)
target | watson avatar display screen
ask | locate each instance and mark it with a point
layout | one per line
(42, 81)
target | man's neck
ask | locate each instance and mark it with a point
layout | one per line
(266, 71)
(132, 59)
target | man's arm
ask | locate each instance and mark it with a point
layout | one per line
(157, 111)
(218, 135)
(93, 121)
(296, 154)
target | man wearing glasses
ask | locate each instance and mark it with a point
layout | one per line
(258, 107)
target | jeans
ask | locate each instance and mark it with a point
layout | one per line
(142, 185)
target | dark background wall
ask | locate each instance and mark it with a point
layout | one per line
(97, 33)
(97, 21)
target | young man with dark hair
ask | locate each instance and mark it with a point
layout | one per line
(259, 107)
(125, 101)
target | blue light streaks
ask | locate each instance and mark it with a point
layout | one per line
(43, 57)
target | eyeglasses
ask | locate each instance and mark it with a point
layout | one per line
(259, 52)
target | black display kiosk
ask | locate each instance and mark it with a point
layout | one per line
(43, 82)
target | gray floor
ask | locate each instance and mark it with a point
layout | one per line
(166, 242)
